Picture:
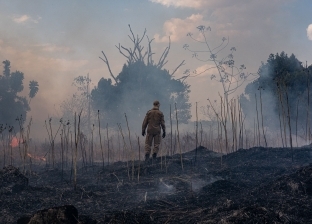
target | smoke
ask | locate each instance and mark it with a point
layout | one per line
(166, 188)
(195, 184)
(54, 49)
(198, 184)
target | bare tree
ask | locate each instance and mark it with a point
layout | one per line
(229, 75)
(138, 53)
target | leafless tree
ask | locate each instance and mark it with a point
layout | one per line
(138, 53)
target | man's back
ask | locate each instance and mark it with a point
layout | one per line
(154, 121)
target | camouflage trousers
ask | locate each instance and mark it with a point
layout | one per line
(148, 143)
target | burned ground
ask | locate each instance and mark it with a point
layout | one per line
(258, 185)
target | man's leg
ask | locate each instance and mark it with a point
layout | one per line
(148, 145)
(157, 140)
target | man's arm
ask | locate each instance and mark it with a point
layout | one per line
(144, 125)
(162, 122)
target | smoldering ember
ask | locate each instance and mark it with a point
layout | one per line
(171, 126)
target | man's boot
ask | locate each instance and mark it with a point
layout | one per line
(154, 156)
(147, 156)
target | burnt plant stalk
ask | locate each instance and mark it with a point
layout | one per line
(179, 145)
(4, 147)
(297, 122)
(107, 144)
(92, 147)
(266, 144)
(289, 125)
(77, 136)
(139, 160)
(283, 115)
(196, 135)
(100, 138)
(171, 136)
(308, 131)
(258, 127)
(125, 148)
(130, 146)
(280, 120)
(62, 151)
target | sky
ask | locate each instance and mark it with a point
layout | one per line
(53, 42)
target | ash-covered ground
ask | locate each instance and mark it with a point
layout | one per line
(258, 185)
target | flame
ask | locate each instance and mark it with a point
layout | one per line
(36, 157)
(14, 142)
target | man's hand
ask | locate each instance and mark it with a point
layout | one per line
(143, 133)
(164, 134)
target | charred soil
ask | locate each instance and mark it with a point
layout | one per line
(258, 185)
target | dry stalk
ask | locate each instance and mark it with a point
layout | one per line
(62, 151)
(100, 137)
(107, 143)
(308, 130)
(130, 146)
(223, 120)
(52, 138)
(178, 135)
(92, 148)
(283, 115)
(297, 122)
(289, 125)
(139, 160)
(171, 132)
(125, 148)
(258, 127)
(26, 142)
(77, 136)
(266, 144)
(196, 135)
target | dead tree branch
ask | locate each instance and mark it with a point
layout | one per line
(182, 63)
(108, 66)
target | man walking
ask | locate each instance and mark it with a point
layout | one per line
(154, 121)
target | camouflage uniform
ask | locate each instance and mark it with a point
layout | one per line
(154, 121)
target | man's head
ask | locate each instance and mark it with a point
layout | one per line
(156, 103)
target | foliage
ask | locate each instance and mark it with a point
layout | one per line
(138, 85)
(79, 102)
(141, 81)
(12, 105)
(280, 77)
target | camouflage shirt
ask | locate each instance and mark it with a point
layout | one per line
(154, 120)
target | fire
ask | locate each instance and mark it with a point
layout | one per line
(36, 157)
(14, 142)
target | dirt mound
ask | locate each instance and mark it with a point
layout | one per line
(221, 187)
(66, 214)
(12, 180)
(300, 182)
(253, 214)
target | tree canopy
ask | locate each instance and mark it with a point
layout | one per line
(284, 83)
(141, 81)
(12, 105)
(138, 85)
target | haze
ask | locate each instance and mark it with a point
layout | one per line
(54, 42)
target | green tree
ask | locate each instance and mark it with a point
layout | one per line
(281, 77)
(12, 105)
